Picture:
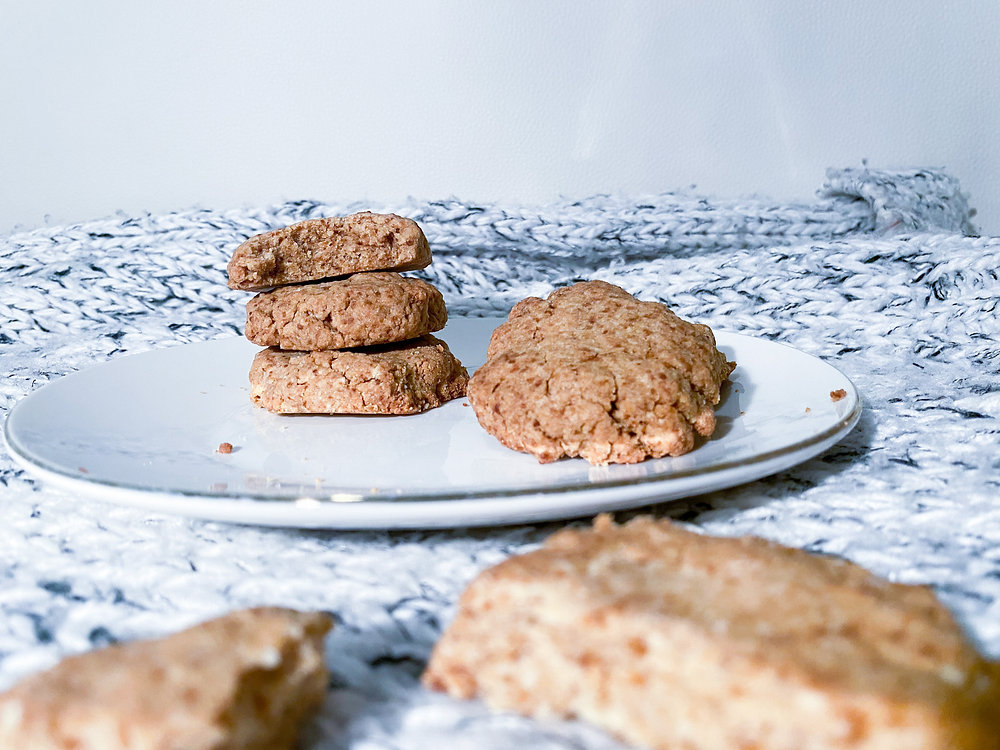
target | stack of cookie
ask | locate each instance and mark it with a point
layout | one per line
(346, 333)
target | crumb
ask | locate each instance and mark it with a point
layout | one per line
(838, 394)
(808, 410)
(224, 448)
(82, 470)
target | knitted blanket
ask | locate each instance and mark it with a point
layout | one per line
(880, 276)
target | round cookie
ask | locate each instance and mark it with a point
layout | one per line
(593, 372)
(326, 248)
(657, 633)
(362, 310)
(403, 378)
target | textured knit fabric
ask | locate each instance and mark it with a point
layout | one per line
(879, 276)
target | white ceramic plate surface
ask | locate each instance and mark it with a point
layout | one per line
(143, 430)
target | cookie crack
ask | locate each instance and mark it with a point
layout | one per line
(615, 413)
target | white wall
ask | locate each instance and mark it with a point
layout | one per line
(113, 105)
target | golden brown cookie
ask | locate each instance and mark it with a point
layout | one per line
(240, 682)
(672, 639)
(326, 248)
(593, 372)
(403, 378)
(362, 310)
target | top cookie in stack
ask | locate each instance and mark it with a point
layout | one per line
(347, 334)
(327, 248)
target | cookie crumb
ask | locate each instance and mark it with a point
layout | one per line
(224, 448)
(808, 410)
(838, 394)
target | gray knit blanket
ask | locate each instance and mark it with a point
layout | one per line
(881, 275)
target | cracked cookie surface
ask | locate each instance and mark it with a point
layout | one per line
(593, 372)
(403, 378)
(362, 310)
(326, 248)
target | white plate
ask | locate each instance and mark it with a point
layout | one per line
(143, 430)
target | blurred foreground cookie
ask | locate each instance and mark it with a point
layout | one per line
(239, 682)
(361, 310)
(593, 372)
(325, 248)
(404, 378)
(671, 639)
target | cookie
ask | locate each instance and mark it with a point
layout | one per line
(593, 372)
(326, 248)
(361, 310)
(242, 681)
(669, 639)
(403, 378)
